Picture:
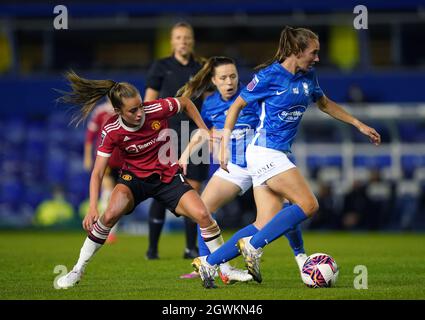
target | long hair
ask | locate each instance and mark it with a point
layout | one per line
(201, 82)
(86, 93)
(292, 41)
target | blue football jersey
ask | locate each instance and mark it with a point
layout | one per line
(283, 99)
(214, 111)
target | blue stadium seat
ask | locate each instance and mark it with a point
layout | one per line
(76, 139)
(16, 131)
(11, 191)
(410, 162)
(58, 120)
(378, 162)
(56, 166)
(35, 193)
(11, 161)
(316, 161)
(411, 131)
(58, 138)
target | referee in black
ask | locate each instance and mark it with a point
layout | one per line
(164, 79)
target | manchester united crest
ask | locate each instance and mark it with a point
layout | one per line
(156, 125)
(126, 177)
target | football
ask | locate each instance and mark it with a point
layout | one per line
(320, 271)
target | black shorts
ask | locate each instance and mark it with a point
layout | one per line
(168, 194)
(197, 172)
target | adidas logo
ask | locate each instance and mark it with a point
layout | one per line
(126, 138)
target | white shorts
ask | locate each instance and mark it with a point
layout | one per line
(264, 163)
(236, 175)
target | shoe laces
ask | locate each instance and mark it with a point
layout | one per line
(256, 253)
(208, 269)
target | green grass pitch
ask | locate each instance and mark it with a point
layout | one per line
(395, 265)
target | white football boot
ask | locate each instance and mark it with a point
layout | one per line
(300, 259)
(206, 271)
(252, 257)
(231, 275)
(70, 279)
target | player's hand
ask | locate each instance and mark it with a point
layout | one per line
(183, 165)
(373, 135)
(90, 219)
(223, 156)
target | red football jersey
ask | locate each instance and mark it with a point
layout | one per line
(100, 115)
(146, 149)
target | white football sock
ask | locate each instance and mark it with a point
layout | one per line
(87, 251)
(212, 236)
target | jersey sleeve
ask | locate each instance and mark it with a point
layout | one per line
(317, 91)
(163, 108)
(106, 146)
(155, 77)
(257, 89)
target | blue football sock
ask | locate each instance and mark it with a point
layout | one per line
(228, 250)
(283, 221)
(295, 239)
(295, 236)
(203, 249)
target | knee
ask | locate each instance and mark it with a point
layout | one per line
(202, 216)
(109, 220)
(310, 206)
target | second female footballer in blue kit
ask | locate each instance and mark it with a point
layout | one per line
(225, 186)
(284, 87)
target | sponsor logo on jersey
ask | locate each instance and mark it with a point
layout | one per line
(126, 138)
(278, 93)
(295, 90)
(306, 89)
(136, 148)
(251, 86)
(127, 177)
(156, 125)
(292, 114)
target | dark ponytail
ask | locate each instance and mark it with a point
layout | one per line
(201, 82)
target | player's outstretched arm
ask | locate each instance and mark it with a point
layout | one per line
(231, 118)
(198, 139)
(335, 110)
(192, 112)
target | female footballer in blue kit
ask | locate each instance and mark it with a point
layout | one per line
(284, 87)
(225, 186)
